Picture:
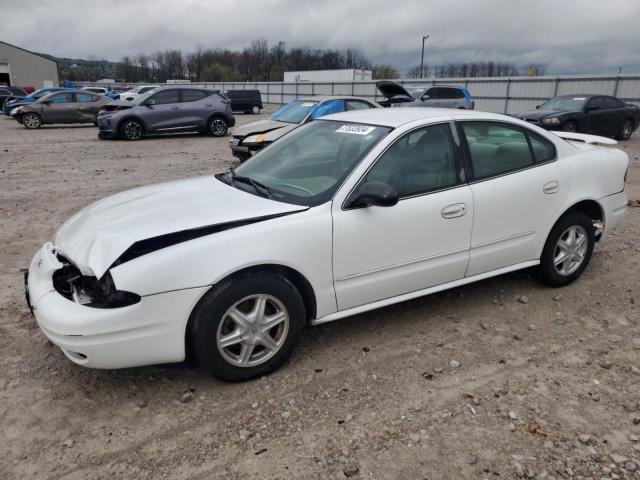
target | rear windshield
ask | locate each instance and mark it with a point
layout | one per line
(293, 112)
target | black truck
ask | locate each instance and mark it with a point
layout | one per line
(247, 101)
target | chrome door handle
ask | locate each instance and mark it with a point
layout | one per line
(551, 187)
(455, 210)
(175, 108)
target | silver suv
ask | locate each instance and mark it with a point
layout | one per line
(443, 96)
(167, 110)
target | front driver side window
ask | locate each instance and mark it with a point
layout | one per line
(165, 96)
(420, 161)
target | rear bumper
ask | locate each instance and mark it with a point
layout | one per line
(149, 332)
(614, 207)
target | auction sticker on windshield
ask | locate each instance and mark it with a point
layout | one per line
(356, 129)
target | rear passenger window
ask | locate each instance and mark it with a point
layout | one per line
(86, 97)
(419, 162)
(496, 148)
(449, 93)
(543, 149)
(357, 105)
(192, 95)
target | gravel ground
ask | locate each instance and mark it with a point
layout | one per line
(500, 379)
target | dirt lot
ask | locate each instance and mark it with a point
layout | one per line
(555, 375)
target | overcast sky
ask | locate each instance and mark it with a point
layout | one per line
(570, 36)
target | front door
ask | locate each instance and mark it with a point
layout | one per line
(423, 240)
(59, 108)
(164, 113)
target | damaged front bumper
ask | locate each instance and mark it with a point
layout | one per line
(149, 331)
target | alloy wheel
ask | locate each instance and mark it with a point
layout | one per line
(218, 127)
(133, 131)
(627, 130)
(31, 120)
(255, 109)
(570, 250)
(252, 330)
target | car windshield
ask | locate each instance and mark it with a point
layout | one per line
(564, 103)
(415, 92)
(293, 112)
(308, 165)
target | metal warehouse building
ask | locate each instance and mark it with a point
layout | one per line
(22, 68)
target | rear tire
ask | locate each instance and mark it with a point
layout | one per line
(218, 127)
(131, 130)
(31, 121)
(567, 250)
(234, 336)
(255, 109)
(626, 130)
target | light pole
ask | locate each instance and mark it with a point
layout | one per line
(424, 37)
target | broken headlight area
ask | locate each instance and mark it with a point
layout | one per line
(89, 291)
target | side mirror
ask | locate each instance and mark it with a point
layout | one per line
(538, 106)
(46, 102)
(591, 109)
(377, 194)
(425, 97)
(150, 102)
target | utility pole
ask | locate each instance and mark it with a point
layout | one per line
(424, 37)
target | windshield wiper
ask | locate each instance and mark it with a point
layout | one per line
(259, 187)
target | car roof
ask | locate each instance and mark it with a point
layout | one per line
(395, 117)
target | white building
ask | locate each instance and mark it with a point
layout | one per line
(348, 75)
(22, 68)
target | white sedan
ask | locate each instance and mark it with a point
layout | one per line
(346, 214)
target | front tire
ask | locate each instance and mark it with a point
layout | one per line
(31, 121)
(626, 130)
(247, 326)
(218, 127)
(131, 130)
(570, 126)
(567, 251)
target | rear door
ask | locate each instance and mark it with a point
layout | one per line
(518, 189)
(450, 97)
(87, 106)
(59, 108)
(197, 105)
(165, 113)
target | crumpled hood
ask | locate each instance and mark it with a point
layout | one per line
(263, 126)
(96, 236)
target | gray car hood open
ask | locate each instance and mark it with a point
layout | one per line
(97, 236)
(272, 128)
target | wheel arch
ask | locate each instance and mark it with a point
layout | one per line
(131, 117)
(588, 206)
(298, 280)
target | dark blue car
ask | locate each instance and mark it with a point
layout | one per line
(17, 102)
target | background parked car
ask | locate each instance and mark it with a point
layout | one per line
(167, 109)
(17, 102)
(596, 114)
(100, 90)
(247, 101)
(134, 93)
(9, 93)
(69, 106)
(248, 139)
(444, 96)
